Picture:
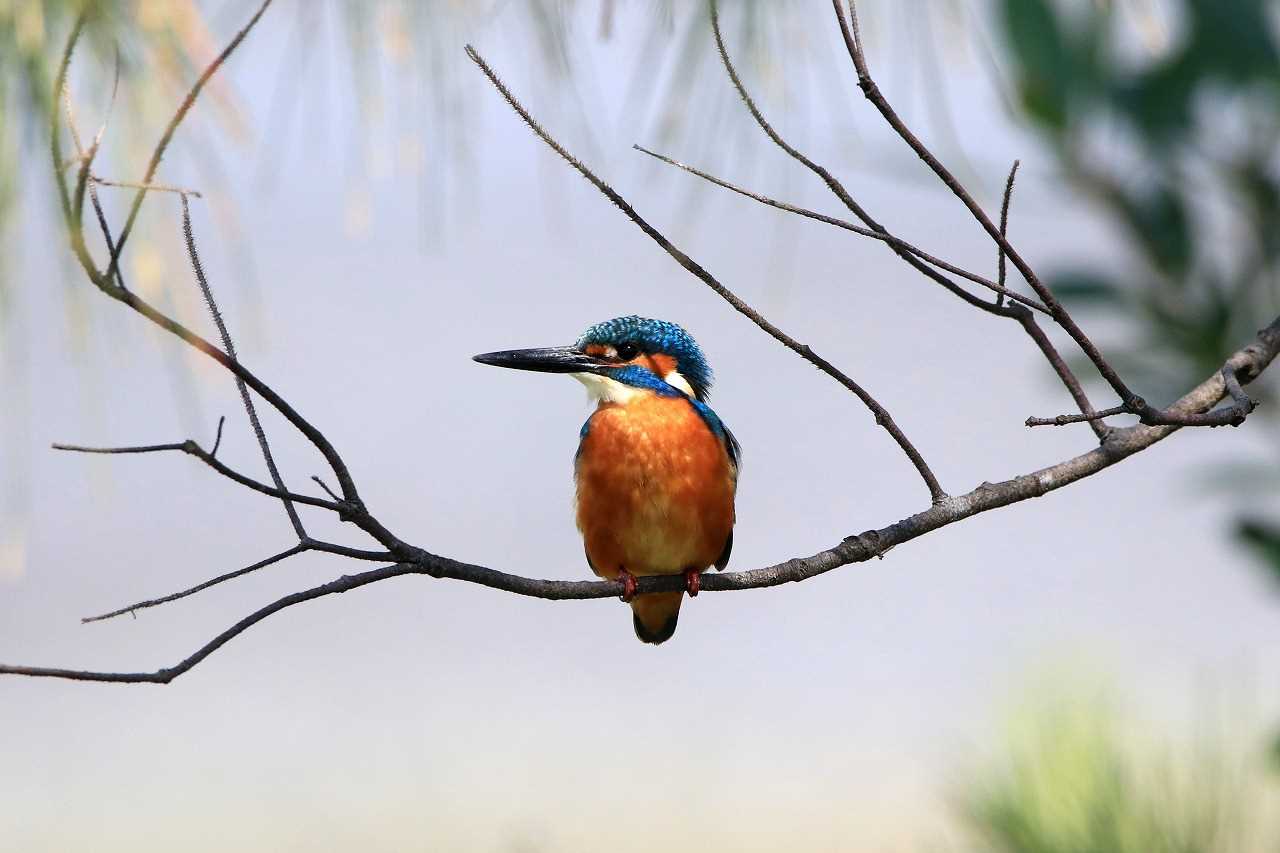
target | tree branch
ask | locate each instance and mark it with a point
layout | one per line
(1119, 445)
(1231, 415)
(229, 348)
(1004, 225)
(154, 602)
(103, 281)
(191, 448)
(834, 185)
(301, 547)
(883, 236)
(853, 43)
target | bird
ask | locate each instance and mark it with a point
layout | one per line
(656, 470)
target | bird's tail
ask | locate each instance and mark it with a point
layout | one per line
(655, 615)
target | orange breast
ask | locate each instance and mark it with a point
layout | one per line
(655, 489)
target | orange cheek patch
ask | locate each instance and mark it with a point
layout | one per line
(662, 364)
(597, 349)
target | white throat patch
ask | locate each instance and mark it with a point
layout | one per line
(606, 390)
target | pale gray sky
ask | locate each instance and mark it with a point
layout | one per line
(421, 714)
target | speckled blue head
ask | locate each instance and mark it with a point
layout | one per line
(654, 337)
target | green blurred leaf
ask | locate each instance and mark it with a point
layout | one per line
(1043, 57)
(1159, 221)
(1159, 101)
(1232, 38)
(1261, 190)
(1085, 288)
(1263, 538)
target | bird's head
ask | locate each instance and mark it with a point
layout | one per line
(619, 358)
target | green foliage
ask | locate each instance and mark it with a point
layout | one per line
(1264, 539)
(1085, 287)
(1074, 781)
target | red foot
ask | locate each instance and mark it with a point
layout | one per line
(628, 584)
(693, 582)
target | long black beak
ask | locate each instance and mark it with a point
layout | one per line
(543, 360)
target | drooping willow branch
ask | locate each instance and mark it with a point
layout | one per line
(1195, 408)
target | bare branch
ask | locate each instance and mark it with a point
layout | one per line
(882, 416)
(153, 187)
(229, 347)
(164, 676)
(1243, 403)
(217, 439)
(1063, 420)
(1119, 445)
(301, 547)
(191, 448)
(1060, 367)
(883, 236)
(71, 215)
(834, 185)
(1236, 370)
(322, 484)
(853, 43)
(1004, 225)
(153, 602)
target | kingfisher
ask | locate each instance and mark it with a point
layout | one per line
(656, 469)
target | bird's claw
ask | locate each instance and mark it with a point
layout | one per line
(693, 582)
(628, 584)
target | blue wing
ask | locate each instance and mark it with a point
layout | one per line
(717, 427)
(734, 450)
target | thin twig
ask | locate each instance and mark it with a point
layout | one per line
(1004, 226)
(229, 347)
(1242, 405)
(1063, 420)
(153, 187)
(191, 448)
(328, 491)
(883, 236)
(153, 602)
(301, 547)
(882, 416)
(217, 439)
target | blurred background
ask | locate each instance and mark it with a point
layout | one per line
(1095, 671)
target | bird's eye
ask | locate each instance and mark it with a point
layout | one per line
(627, 351)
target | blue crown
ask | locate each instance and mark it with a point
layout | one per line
(656, 336)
